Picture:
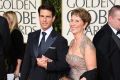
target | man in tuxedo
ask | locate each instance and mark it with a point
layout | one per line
(4, 46)
(107, 43)
(46, 50)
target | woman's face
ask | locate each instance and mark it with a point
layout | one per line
(76, 24)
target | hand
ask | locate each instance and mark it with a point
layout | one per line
(17, 70)
(48, 59)
(42, 62)
(83, 78)
(16, 73)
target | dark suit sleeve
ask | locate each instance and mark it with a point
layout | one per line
(60, 64)
(5, 34)
(25, 70)
(4, 44)
(2, 65)
(90, 75)
(102, 45)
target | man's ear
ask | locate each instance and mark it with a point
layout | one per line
(53, 19)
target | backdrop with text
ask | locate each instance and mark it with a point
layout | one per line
(26, 11)
(97, 8)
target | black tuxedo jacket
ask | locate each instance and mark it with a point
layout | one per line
(56, 49)
(4, 31)
(4, 44)
(108, 54)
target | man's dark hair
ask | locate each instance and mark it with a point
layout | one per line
(47, 7)
(113, 9)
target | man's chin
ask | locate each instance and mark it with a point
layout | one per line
(45, 28)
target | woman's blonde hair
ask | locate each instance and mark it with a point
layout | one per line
(11, 15)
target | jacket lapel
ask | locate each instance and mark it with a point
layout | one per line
(116, 39)
(52, 37)
(35, 43)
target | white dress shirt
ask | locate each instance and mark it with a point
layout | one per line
(48, 31)
(115, 31)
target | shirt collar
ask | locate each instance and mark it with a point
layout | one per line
(113, 29)
(48, 31)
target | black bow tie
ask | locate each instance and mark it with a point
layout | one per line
(118, 32)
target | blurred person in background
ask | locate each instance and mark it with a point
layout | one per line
(17, 44)
(107, 43)
(4, 46)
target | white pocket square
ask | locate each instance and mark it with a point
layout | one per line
(52, 47)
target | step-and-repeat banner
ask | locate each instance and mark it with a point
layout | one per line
(26, 11)
(97, 8)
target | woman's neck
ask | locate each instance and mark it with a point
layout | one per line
(78, 36)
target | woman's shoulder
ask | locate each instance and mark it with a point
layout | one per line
(88, 42)
(16, 31)
(86, 39)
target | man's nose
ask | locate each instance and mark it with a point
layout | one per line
(44, 19)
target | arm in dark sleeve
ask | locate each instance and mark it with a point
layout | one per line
(60, 64)
(25, 70)
(2, 62)
(102, 44)
(90, 75)
(17, 41)
(5, 34)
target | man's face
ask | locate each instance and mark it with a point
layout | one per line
(46, 19)
(114, 20)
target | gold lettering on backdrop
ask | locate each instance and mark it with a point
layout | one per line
(26, 11)
(98, 10)
(99, 16)
(18, 4)
(22, 9)
(90, 3)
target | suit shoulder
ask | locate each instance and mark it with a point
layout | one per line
(105, 31)
(34, 33)
(16, 31)
(103, 35)
(101, 31)
(2, 19)
(61, 37)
